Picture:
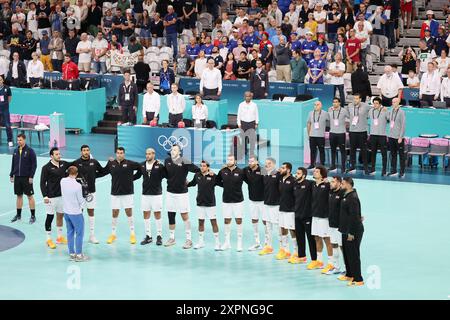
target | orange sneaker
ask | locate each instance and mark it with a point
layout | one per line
(355, 283)
(344, 278)
(266, 250)
(294, 259)
(61, 240)
(327, 268)
(282, 255)
(111, 239)
(51, 244)
(315, 264)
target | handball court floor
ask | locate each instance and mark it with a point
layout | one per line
(404, 250)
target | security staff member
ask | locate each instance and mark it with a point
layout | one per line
(338, 115)
(231, 178)
(259, 81)
(153, 172)
(128, 98)
(247, 120)
(5, 99)
(334, 207)
(287, 214)
(23, 168)
(254, 178)
(271, 203)
(122, 191)
(206, 203)
(303, 216)
(379, 116)
(359, 112)
(397, 124)
(352, 229)
(89, 169)
(176, 105)
(177, 199)
(317, 121)
(51, 175)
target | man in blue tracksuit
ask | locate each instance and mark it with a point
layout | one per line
(23, 168)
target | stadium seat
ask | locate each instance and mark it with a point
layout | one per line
(439, 148)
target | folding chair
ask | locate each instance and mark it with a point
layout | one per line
(439, 148)
(28, 125)
(418, 147)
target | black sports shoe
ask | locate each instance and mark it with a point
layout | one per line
(32, 219)
(310, 167)
(147, 240)
(16, 218)
(159, 241)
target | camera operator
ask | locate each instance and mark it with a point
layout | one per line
(89, 170)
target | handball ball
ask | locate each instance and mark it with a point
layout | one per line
(181, 124)
(153, 123)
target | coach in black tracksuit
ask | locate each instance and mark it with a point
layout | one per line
(352, 229)
(303, 215)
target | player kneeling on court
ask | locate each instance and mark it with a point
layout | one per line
(206, 203)
(153, 172)
(122, 191)
(231, 179)
(334, 205)
(73, 204)
(51, 176)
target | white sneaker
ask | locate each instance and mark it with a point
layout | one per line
(187, 244)
(10, 144)
(225, 246)
(93, 240)
(255, 247)
(217, 247)
(333, 271)
(72, 257)
(81, 258)
(199, 245)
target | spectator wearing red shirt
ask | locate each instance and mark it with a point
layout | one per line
(69, 69)
(352, 49)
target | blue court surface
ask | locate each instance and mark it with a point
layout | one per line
(404, 250)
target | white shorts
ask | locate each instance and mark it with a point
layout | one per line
(335, 236)
(320, 227)
(93, 203)
(151, 203)
(203, 212)
(55, 205)
(233, 210)
(271, 214)
(287, 220)
(122, 202)
(178, 202)
(257, 210)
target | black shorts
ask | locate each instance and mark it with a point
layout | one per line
(22, 186)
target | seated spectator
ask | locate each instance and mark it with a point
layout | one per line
(35, 70)
(199, 112)
(243, 67)
(316, 68)
(166, 78)
(360, 83)
(17, 72)
(200, 64)
(430, 86)
(230, 67)
(299, 68)
(412, 81)
(283, 67)
(69, 69)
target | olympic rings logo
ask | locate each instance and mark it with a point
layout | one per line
(414, 94)
(168, 142)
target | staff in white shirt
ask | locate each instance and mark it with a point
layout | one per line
(248, 119)
(73, 204)
(211, 80)
(151, 105)
(390, 86)
(35, 70)
(336, 70)
(445, 89)
(430, 86)
(199, 112)
(176, 105)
